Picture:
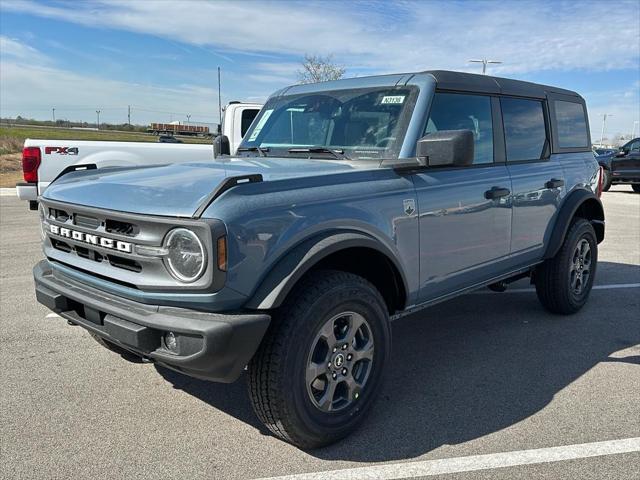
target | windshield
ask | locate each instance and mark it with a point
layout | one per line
(361, 123)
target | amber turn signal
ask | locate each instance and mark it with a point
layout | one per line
(222, 253)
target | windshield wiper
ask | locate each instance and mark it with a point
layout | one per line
(261, 151)
(337, 153)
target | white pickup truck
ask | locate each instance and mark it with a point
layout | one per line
(44, 160)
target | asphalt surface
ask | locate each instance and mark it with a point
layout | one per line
(482, 374)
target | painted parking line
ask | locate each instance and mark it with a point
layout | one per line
(613, 286)
(397, 471)
(8, 192)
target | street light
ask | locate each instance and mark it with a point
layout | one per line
(484, 63)
(188, 117)
(98, 114)
(633, 133)
(604, 121)
(53, 113)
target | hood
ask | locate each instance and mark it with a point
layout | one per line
(176, 189)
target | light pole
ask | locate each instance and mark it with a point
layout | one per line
(188, 117)
(633, 133)
(484, 63)
(53, 113)
(604, 121)
(98, 114)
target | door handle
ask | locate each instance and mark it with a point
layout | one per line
(554, 183)
(496, 192)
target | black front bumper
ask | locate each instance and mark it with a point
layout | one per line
(211, 346)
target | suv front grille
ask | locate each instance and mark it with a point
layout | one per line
(122, 228)
(107, 244)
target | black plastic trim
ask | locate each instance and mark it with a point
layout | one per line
(282, 277)
(75, 168)
(229, 340)
(566, 214)
(227, 184)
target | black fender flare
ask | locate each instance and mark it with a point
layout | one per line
(289, 269)
(578, 201)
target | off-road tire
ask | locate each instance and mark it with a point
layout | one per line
(606, 180)
(276, 377)
(553, 277)
(636, 187)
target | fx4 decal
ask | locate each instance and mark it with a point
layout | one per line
(61, 150)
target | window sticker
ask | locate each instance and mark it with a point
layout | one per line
(392, 100)
(261, 122)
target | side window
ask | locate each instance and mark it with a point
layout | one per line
(456, 111)
(525, 135)
(246, 119)
(571, 124)
(635, 146)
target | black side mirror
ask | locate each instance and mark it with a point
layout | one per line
(446, 148)
(221, 146)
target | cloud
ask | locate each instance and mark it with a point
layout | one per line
(14, 49)
(27, 89)
(262, 42)
(407, 36)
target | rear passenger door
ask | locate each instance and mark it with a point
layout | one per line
(537, 177)
(465, 228)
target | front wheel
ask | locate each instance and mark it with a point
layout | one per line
(563, 283)
(321, 364)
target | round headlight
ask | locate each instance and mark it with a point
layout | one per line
(186, 258)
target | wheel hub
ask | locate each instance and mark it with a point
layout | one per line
(340, 362)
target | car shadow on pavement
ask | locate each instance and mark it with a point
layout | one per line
(467, 368)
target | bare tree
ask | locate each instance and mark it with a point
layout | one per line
(316, 68)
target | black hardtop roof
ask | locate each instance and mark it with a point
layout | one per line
(449, 80)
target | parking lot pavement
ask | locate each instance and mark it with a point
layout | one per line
(485, 374)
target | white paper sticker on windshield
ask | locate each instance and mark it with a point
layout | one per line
(261, 122)
(392, 100)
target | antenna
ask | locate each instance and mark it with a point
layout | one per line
(219, 104)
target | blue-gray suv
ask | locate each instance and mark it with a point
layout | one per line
(348, 204)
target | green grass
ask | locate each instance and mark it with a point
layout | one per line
(12, 138)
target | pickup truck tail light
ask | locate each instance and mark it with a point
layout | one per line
(30, 163)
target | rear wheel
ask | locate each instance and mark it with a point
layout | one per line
(563, 283)
(636, 187)
(606, 180)
(320, 366)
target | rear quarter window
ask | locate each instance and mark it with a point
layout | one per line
(571, 125)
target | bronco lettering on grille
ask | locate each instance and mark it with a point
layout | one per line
(91, 239)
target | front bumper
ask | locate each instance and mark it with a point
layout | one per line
(211, 346)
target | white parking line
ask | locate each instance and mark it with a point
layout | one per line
(8, 192)
(397, 471)
(612, 286)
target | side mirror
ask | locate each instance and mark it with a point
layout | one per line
(221, 146)
(446, 148)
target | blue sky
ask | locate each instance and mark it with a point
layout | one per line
(160, 56)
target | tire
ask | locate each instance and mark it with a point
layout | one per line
(288, 383)
(636, 187)
(560, 282)
(606, 180)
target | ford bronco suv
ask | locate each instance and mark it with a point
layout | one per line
(347, 205)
